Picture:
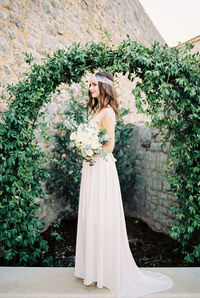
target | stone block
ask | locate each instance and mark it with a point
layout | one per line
(154, 199)
(17, 21)
(151, 156)
(152, 165)
(166, 203)
(145, 137)
(157, 184)
(31, 43)
(146, 172)
(14, 7)
(170, 222)
(21, 38)
(139, 155)
(36, 2)
(46, 7)
(173, 200)
(153, 192)
(163, 195)
(7, 69)
(12, 33)
(60, 29)
(155, 147)
(5, 3)
(154, 173)
(144, 164)
(148, 197)
(51, 30)
(166, 186)
(3, 15)
(149, 182)
(161, 156)
(55, 4)
(158, 226)
(16, 45)
(170, 213)
(54, 13)
(4, 45)
(160, 166)
(165, 211)
(152, 206)
(33, 19)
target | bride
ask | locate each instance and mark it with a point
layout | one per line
(103, 257)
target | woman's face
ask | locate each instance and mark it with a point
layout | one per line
(94, 88)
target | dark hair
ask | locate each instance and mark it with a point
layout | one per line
(107, 95)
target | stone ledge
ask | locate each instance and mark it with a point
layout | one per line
(53, 282)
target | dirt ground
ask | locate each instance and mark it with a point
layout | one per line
(149, 248)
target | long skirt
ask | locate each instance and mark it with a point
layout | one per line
(103, 254)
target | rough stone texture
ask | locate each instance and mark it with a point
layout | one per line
(151, 197)
(37, 26)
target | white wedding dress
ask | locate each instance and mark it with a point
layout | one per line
(102, 249)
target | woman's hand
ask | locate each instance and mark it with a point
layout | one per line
(79, 153)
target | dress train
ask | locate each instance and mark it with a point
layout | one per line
(103, 254)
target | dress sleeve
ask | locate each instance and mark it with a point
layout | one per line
(108, 123)
(110, 112)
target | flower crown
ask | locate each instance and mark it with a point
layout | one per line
(103, 79)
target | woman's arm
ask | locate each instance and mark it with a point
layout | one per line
(107, 123)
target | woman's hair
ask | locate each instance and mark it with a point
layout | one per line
(107, 95)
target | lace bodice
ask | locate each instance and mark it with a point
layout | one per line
(99, 116)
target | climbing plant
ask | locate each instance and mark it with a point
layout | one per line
(169, 79)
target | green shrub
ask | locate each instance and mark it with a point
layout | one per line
(171, 82)
(21, 173)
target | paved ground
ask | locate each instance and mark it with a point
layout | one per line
(42, 282)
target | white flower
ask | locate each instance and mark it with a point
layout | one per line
(96, 145)
(89, 152)
(73, 136)
(86, 139)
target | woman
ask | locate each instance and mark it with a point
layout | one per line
(103, 254)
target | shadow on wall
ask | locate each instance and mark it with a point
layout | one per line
(150, 198)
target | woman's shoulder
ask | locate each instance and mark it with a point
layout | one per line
(110, 111)
(108, 108)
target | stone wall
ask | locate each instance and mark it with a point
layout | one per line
(38, 26)
(150, 198)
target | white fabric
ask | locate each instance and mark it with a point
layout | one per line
(102, 79)
(99, 116)
(102, 248)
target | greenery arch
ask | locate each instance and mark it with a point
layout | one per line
(169, 78)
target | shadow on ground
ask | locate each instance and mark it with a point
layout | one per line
(149, 248)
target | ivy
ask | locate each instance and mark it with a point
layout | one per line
(170, 80)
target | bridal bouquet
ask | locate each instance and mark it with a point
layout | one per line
(88, 141)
